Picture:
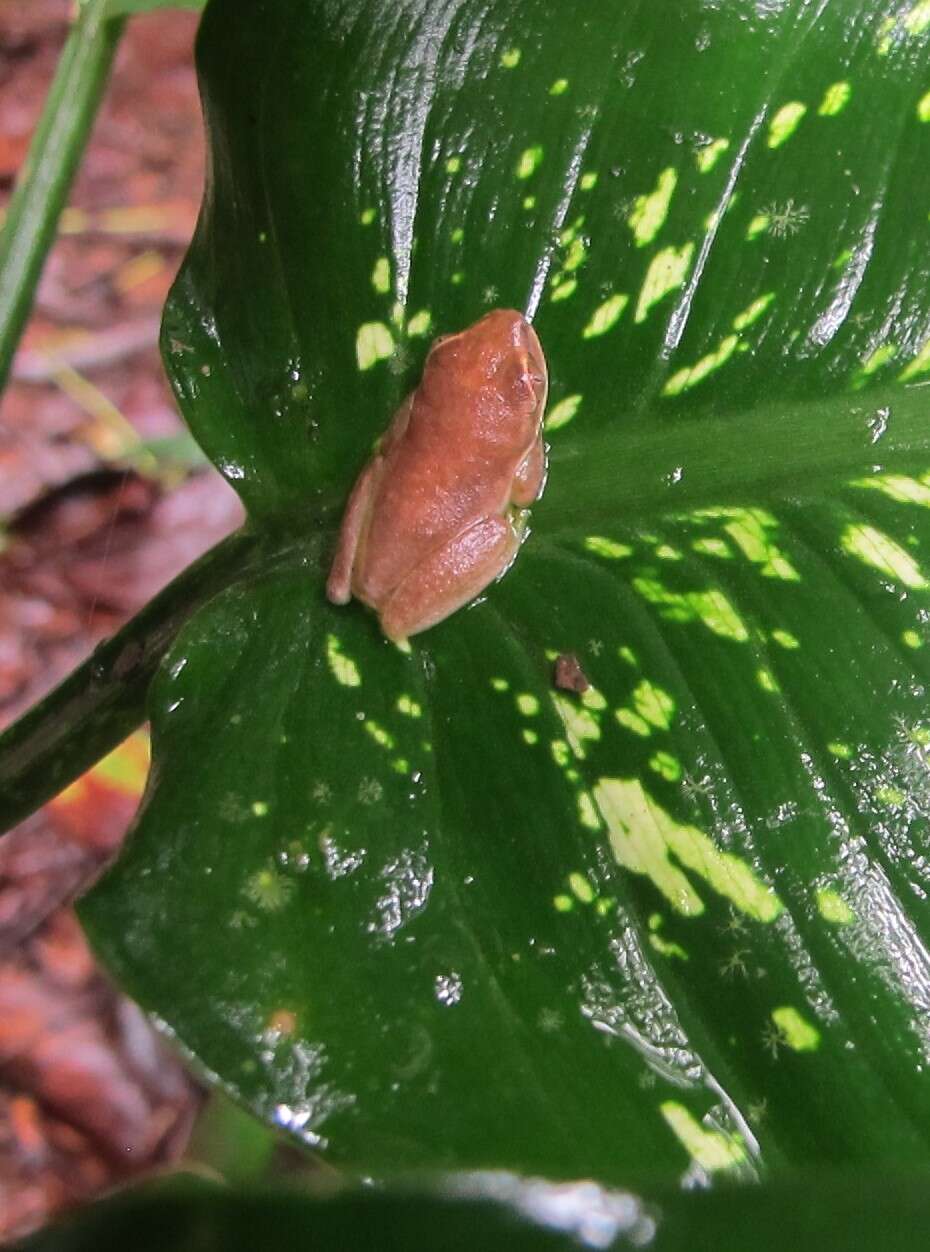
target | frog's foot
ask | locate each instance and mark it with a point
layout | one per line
(450, 577)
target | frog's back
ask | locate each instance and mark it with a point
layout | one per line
(425, 497)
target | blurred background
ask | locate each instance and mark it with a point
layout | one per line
(103, 499)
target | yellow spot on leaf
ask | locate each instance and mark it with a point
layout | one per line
(767, 681)
(666, 947)
(420, 323)
(654, 704)
(581, 888)
(575, 255)
(833, 908)
(923, 108)
(684, 379)
(563, 288)
(529, 161)
(785, 639)
(648, 840)
(666, 766)
(343, 668)
(632, 721)
(593, 699)
(911, 639)
(890, 797)
(757, 226)
(710, 607)
(751, 531)
(667, 271)
(588, 181)
(712, 547)
(562, 413)
(374, 342)
(510, 58)
(381, 736)
(753, 311)
(559, 87)
(527, 704)
(708, 156)
(841, 750)
(898, 487)
(919, 365)
(873, 363)
(878, 550)
(608, 548)
(605, 316)
(835, 99)
(367, 217)
(785, 123)
(712, 1150)
(587, 813)
(381, 275)
(795, 1030)
(580, 725)
(561, 753)
(650, 211)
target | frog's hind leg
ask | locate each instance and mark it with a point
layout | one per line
(449, 577)
(339, 582)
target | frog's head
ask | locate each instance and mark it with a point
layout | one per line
(498, 365)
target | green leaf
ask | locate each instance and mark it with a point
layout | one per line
(421, 908)
(499, 1213)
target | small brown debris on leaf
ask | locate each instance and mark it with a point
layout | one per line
(569, 675)
(281, 1022)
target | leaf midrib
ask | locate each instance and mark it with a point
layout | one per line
(799, 448)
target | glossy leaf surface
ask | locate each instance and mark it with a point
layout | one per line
(498, 1213)
(429, 910)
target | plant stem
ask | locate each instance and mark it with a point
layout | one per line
(45, 179)
(103, 701)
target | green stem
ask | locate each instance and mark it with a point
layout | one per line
(103, 701)
(57, 145)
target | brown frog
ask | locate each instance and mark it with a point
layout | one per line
(431, 519)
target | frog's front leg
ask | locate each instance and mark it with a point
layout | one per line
(450, 577)
(339, 582)
(531, 472)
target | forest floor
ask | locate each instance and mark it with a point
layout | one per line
(102, 501)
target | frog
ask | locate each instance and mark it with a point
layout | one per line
(439, 510)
